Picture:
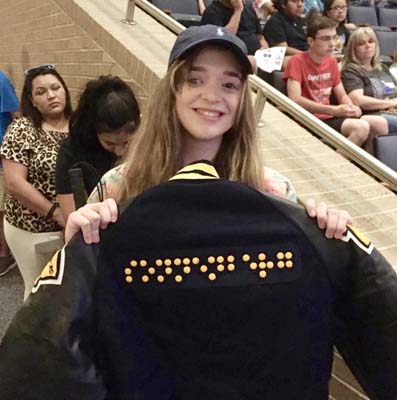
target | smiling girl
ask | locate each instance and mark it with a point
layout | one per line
(202, 110)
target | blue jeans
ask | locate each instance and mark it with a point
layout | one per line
(391, 121)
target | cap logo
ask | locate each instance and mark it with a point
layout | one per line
(220, 32)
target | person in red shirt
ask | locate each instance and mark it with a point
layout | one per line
(313, 76)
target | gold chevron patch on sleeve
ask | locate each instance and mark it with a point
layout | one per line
(359, 239)
(199, 170)
(52, 274)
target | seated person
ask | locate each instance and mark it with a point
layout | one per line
(368, 83)
(313, 76)
(286, 28)
(240, 18)
(337, 11)
(105, 121)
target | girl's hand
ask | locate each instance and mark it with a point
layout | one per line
(334, 221)
(90, 219)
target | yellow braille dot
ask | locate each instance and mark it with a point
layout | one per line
(159, 262)
(129, 279)
(211, 259)
(246, 257)
(231, 267)
(145, 278)
(167, 262)
(289, 264)
(280, 255)
(168, 271)
(178, 278)
(262, 265)
(220, 267)
(288, 255)
(152, 271)
(253, 265)
(230, 259)
(280, 264)
(195, 260)
(262, 256)
(143, 263)
(211, 276)
(160, 279)
(203, 269)
(186, 270)
(133, 263)
(270, 264)
(262, 274)
(186, 261)
(220, 259)
(128, 271)
(177, 261)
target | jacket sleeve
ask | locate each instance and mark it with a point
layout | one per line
(366, 332)
(364, 286)
(47, 352)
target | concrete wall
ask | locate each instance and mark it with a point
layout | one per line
(36, 32)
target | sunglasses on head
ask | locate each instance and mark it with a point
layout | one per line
(44, 67)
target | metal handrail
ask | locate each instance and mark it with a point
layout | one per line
(264, 92)
(329, 135)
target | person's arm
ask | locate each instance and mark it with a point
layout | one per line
(295, 93)
(66, 204)
(332, 220)
(290, 50)
(201, 6)
(370, 103)
(262, 42)
(234, 22)
(343, 99)
(15, 175)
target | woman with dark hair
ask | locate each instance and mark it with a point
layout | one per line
(337, 11)
(100, 129)
(29, 154)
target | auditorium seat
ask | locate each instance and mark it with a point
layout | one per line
(186, 11)
(385, 149)
(362, 15)
(387, 17)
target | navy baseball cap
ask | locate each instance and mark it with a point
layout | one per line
(197, 35)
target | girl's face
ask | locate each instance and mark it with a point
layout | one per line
(208, 99)
(338, 11)
(365, 49)
(115, 142)
(48, 95)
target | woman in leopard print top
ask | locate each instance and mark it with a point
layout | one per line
(29, 153)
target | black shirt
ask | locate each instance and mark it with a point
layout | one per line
(72, 155)
(248, 30)
(281, 28)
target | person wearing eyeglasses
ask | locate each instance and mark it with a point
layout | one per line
(29, 153)
(313, 76)
(101, 128)
(337, 11)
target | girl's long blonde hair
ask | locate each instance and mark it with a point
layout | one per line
(156, 154)
(350, 49)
